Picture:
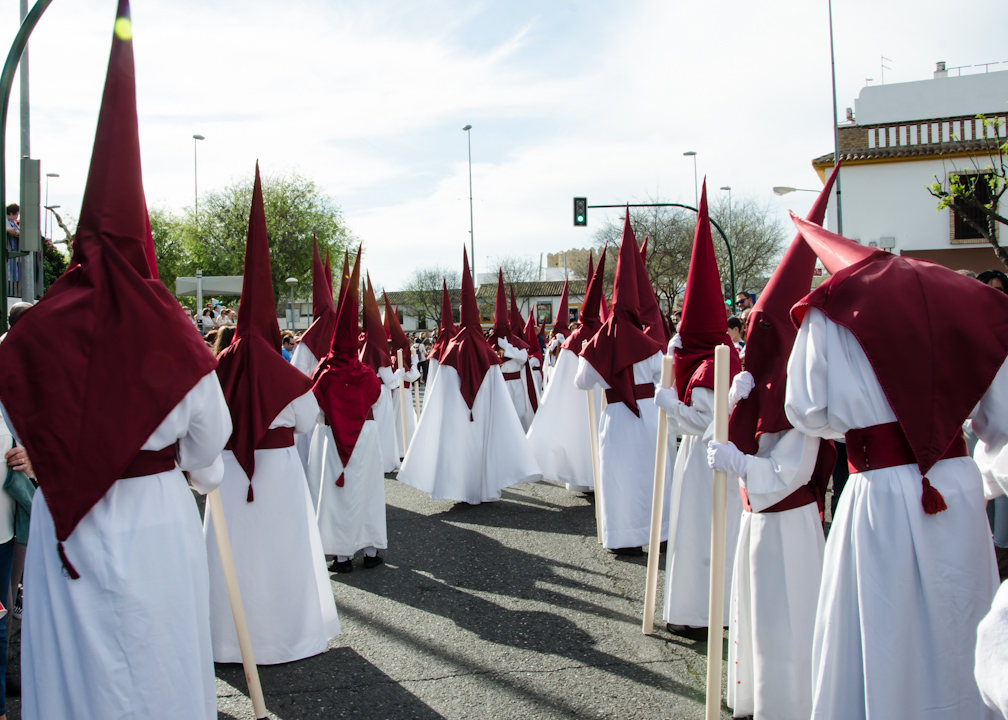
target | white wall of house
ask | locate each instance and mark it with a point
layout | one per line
(934, 98)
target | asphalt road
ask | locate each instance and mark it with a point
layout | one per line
(502, 610)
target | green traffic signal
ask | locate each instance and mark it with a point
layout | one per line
(580, 211)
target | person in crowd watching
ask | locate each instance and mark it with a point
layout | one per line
(736, 330)
(743, 301)
(288, 345)
(223, 339)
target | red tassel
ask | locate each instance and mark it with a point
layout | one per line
(340, 481)
(932, 500)
(470, 416)
(249, 498)
(71, 571)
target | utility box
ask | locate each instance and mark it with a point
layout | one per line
(31, 192)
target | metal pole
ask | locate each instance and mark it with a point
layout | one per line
(696, 193)
(28, 261)
(290, 323)
(836, 128)
(6, 81)
(472, 241)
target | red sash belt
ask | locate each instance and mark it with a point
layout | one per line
(369, 416)
(885, 446)
(513, 375)
(639, 392)
(406, 384)
(799, 498)
(150, 462)
(276, 438)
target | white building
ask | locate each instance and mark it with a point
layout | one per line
(902, 137)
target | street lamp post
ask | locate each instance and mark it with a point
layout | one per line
(47, 176)
(836, 128)
(291, 283)
(195, 183)
(472, 241)
(730, 226)
(696, 194)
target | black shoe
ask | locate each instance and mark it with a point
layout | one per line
(342, 567)
(628, 552)
(13, 685)
(663, 547)
(373, 562)
(685, 631)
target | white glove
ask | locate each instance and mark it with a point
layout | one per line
(741, 385)
(413, 362)
(675, 342)
(399, 374)
(552, 343)
(666, 398)
(503, 344)
(728, 458)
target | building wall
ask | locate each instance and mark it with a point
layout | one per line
(933, 98)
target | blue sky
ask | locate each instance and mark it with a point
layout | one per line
(369, 99)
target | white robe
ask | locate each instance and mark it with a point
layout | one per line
(559, 433)
(453, 458)
(130, 638)
(516, 361)
(411, 376)
(432, 371)
(305, 361)
(386, 418)
(992, 654)
(775, 585)
(687, 568)
(627, 445)
(351, 517)
(276, 544)
(902, 591)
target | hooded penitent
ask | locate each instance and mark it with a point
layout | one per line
(518, 332)
(89, 374)
(535, 350)
(397, 337)
(328, 273)
(318, 336)
(591, 323)
(655, 324)
(621, 341)
(935, 338)
(375, 353)
(704, 325)
(344, 387)
(588, 278)
(502, 327)
(257, 382)
(447, 329)
(468, 352)
(770, 337)
(562, 318)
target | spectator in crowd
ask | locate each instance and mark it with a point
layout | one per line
(288, 345)
(420, 350)
(995, 278)
(189, 314)
(13, 240)
(743, 301)
(210, 338)
(223, 339)
(206, 323)
(736, 330)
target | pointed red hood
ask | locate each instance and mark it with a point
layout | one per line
(328, 273)
(651, 315)
(704, 325)
(591, 322)
(397, 337)
(257, 382)
(468, 351)
(517, 337)
(502, 317)
(621, 341)
(318, 336)
(447, 328)
(344, 277)
(532, 338)
(588, 278)
(562, 318)
(115, 349)
(835, 251)
(344, 387)
(935, 338)
(149, 246)
(375, 353)
(771, 336)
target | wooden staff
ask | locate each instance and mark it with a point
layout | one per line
(657, 500)
(416, 398)
(237, 609)
(402, 402)
(715, 625)
(596, 463)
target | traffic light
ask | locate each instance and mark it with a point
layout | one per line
(580, 212)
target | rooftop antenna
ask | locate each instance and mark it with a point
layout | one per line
(868, 80)
(884, 67)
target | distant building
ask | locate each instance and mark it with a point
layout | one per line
(900, 137)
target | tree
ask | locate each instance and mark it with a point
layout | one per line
(295, 210)
(423, 290)
(974, 196)
(517, 268)
(757, 239)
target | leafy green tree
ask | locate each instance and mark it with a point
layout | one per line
(974, 195)
(296, 209)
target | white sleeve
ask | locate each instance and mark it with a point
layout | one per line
(386, 375)
(788, 466)
(805, 398)
(303, 359)
(306, 411)
(209, 427)
(695, 418)
(588, 377)
(991, 659)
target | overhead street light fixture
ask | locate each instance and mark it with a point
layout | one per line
(784, 190)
